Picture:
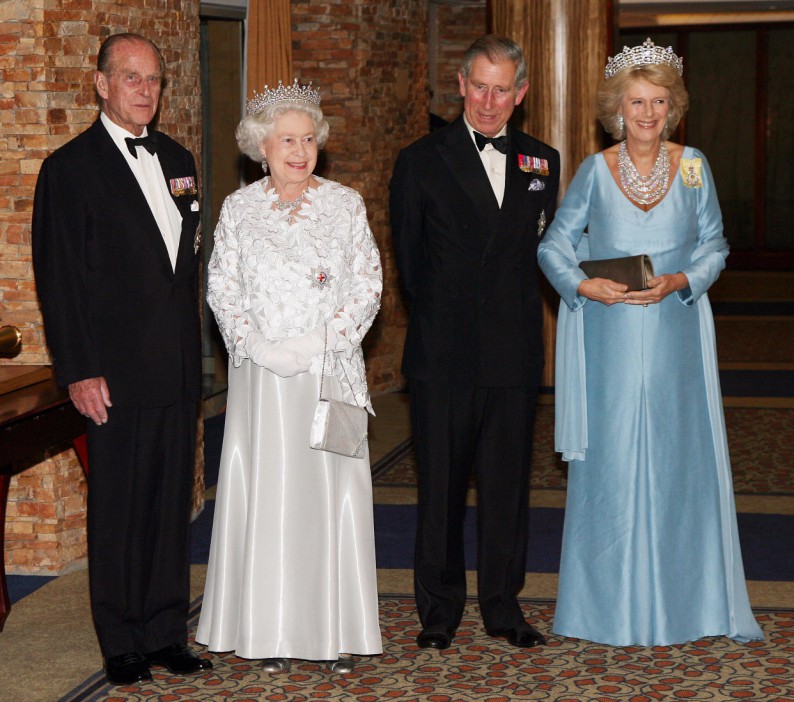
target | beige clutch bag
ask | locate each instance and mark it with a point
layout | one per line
(634, 271)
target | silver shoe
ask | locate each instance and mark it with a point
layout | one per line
(275, 665)
(343, 665)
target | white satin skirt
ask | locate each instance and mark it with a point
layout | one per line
(291, 570)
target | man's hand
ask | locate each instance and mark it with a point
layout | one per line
(91, 397)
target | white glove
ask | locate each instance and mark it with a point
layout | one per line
(309, 344)
(275, 356)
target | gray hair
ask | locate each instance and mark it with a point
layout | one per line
(254, 129)
(496, 48)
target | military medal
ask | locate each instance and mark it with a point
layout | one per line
(197, 239)
(183, 186)
(541, 223)
(533, 164)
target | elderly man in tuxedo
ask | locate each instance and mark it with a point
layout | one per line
(115, 253)
(469, 204)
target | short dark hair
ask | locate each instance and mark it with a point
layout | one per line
(104, 60)
(496, 48)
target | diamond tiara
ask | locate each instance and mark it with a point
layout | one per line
(292, 93)
(646, 54)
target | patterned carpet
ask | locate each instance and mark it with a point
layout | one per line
(761, 443)
(758, 354)
(751, 340)
(480, 669)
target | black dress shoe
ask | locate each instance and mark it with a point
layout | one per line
(126, 669)
(434, 639)
(526, 636)
(180, 660)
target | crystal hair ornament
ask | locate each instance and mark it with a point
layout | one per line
(291, 93)
(646, 54)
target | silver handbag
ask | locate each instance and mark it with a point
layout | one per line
(338, 426)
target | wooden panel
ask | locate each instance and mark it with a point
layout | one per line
(566, 44)
(15, 377)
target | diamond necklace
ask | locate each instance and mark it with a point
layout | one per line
(283, 205)
(644, 189)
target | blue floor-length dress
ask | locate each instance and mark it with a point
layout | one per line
(650, 553)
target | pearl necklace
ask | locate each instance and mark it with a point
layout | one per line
(644, 190)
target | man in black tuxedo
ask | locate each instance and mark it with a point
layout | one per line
(469, 203)
(115, 253)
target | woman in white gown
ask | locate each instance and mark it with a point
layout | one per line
(295, 270)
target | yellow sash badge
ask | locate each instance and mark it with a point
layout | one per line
(691, 172)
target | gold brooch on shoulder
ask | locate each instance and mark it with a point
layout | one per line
(692, 172)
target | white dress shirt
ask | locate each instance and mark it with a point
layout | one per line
(494, 161)
(149, 174)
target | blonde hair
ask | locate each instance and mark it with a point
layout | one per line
(612, 90)
(254, 129)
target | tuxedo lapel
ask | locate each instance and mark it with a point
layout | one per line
(460, 155)
(516, 181)
(513, 210)
(129, 199)
(173, 169)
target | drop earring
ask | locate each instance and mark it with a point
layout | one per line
(264, 166)
(620, 123)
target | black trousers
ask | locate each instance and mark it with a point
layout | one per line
(455, 429)
(140, 477)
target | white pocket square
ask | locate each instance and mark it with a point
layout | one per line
(536, 184)
(194, 206)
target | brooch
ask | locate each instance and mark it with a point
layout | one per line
(537, 185)
(319, 277)
(541, 222)
(533, 164)
(691, 172)
(183, 186)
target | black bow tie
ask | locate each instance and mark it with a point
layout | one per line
(499, 143)
(148, 142)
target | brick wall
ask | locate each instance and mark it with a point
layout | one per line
(45, 520)
(456, 27)
(47, 55)
(370, 61)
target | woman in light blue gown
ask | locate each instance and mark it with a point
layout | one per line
(650, 550)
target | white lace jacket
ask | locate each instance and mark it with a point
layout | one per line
(283, 278)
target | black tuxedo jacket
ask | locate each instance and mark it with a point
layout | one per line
(113, 306)
(468, 267)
